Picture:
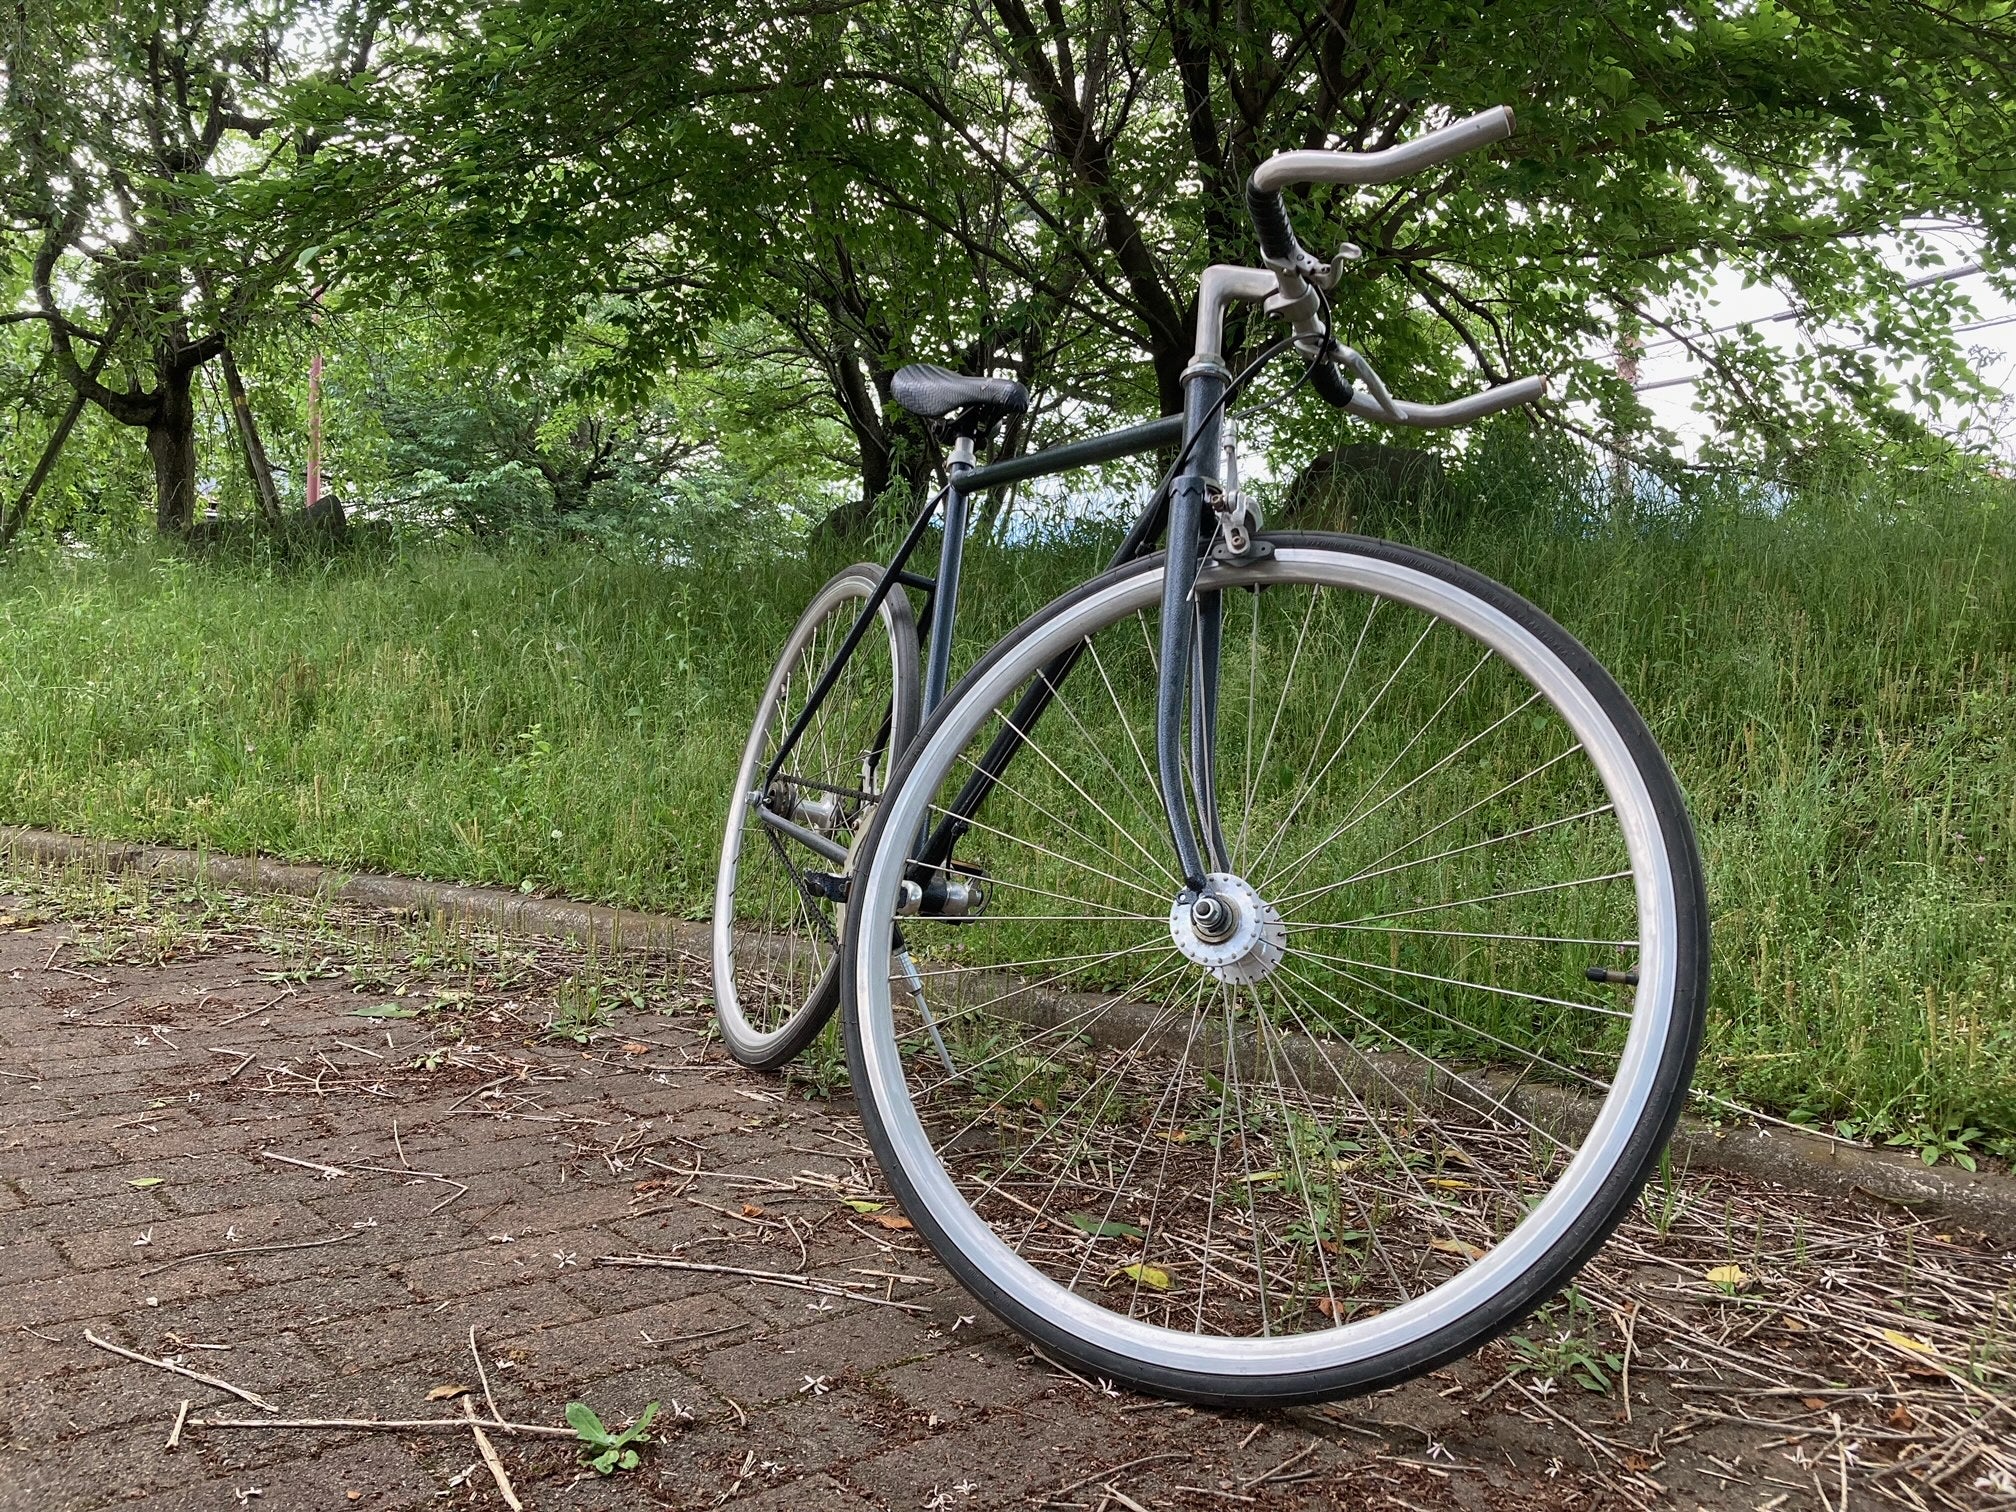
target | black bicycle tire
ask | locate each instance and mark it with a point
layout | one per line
(1599, 1218)
(790, 1039)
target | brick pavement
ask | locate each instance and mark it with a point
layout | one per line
(143, 1104)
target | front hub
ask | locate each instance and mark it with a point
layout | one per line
(1229, 930)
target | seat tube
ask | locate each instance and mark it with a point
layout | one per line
(945, 600)
(1203, 385)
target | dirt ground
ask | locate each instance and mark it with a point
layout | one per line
(337, 1159)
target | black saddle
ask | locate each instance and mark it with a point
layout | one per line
(935, 392)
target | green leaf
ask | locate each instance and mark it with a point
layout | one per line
(386, 1011)
(143, 1182)
(582, 1419)
(1102, 1228)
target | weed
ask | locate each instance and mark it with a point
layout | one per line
(580, 1007)
(1566, 1354)
(604, 1452)
(1952, 1143)
(822, 1069)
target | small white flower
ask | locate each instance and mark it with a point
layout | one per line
(1554, 1468)
(231, 1234)
(144, 1240)
(566, 1258)
(967, 1486)
(557, 835)
(142, 1039)
(1544, 1386)
(816, 1385)
(1438, 1450)
(964, 1320)
(502, 1239)
(824, 1304)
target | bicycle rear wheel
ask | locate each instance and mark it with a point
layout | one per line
(776, 933)
(1412, 1090)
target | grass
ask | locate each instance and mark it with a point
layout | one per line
(1835, 683)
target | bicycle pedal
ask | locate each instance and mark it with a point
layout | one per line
(958, 891)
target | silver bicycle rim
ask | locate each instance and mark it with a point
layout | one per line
(746, 1040)
(1530, 1243)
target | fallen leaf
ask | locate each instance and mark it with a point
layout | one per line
(752, 1210)
(650, 1184)
(1262, 1176)
(1900, 1417)
(1905, 1341)
(862, 1205)
(636, 1049)
(1732, 1278)
(143, 1182)
(1449, 1183)
(890, 1221)
(442, 1393)
(1462, 1247)
(1147, 1275)
(1813, 1403)
(387, 1011)
(1102, 1228)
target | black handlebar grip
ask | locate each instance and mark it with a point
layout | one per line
(1270, 220)
(1331, 386)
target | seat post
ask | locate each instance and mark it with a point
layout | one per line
(951, 550)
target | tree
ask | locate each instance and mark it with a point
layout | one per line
(128, 128)
(791, 158)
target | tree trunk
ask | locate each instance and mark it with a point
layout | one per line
(11, 522)
(171, 442)
(248, 437)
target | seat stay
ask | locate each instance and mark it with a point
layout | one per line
(892, 575)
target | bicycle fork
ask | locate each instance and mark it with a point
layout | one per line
(1218, 919)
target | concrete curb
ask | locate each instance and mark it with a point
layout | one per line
(495, 907)
(1981, 1201)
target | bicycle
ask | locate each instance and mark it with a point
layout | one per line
(1284, 1031)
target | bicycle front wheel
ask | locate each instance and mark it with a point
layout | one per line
(1387, 1104)
(777, 919)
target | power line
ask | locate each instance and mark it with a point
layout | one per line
(1793, 312)
(1960, 330)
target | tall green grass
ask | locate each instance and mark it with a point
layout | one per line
(1834, 681)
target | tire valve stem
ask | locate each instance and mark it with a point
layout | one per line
(1612, 978)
